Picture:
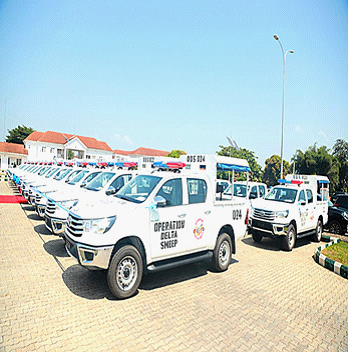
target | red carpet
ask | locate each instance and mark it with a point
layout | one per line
(12, 199)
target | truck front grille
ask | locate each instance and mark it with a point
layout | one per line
(264, 214)
(50, 206)
(74, 225)
(37, 198)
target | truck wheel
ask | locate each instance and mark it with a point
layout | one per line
(289, 239)
(125, 272)
(222, 252)
(335, 227)
(257, 237)
(318, 232)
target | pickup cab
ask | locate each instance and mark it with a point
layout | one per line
(291, 210)
(157, 221)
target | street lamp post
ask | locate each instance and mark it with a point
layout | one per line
(282, 140)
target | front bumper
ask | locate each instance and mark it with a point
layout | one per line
(40, 210)
(94, 258)
(56, 226)
(268, 228)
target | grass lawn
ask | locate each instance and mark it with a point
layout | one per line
(337, 252)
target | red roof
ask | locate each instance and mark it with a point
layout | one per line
(63, 138)
(13, 148)
(143, 152)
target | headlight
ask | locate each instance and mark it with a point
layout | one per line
(282, 214)
(345, 215)
(252, 211)
(68, 203)
(99, 225)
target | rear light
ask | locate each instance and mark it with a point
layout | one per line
(247, 217)
(336, 205)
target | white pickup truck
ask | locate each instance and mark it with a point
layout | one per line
(291, 210)
(158, 221)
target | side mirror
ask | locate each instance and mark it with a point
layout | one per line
(83, 184)
(252, 196)
(160, 201)
(303, 202)
(110, 190)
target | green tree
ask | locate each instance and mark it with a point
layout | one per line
(176, 153)
(18, 134)
(271, 174)
(314, 161)
(255, 173)
(340, 153)
(70, 155)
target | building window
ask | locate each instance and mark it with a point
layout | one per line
(60, 153)
(43, 149)
(88, 156)
(52, 150)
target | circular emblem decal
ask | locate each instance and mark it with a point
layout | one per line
(199, 229)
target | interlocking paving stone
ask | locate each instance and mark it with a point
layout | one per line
(268, 300)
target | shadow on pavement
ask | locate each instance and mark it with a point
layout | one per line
(275, 244)
(86, 283)
(41, 229)
(56, 248)
(93, 284)
(28, 208)
(34, 216)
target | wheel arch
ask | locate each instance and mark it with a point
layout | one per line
(229, 230)
(133, 241)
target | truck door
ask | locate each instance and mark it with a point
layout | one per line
(311, 220)
(198, 215)
(303, 212)
(168, 232)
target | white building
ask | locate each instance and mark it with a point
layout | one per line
(11, 153)
(47, 146)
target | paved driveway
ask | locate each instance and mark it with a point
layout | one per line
(268, 300)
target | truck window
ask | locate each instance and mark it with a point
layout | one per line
(120, 181)
(262, 191)
(171, 191)
(100, 181)
(254, 191)
(138, 189)
(302, 197)
(279, 194)
(197, 190)
(309, 195)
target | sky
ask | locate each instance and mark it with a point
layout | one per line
(177, 74)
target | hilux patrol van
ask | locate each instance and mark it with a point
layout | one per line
(158, 221)
(291, 210)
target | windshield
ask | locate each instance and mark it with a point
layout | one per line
(61, 174)
(42, 172)
(239, 190)
(139, 188)
(100, 181)
(51, 172)
(286, 195)
(78, 178)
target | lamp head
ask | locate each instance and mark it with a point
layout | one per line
(291, 51)
(276, 37)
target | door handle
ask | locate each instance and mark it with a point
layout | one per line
(181, 215)
(207, 212)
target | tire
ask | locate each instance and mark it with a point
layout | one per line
(257, 237)
(318, 232)
(289, 239)
(222, 252)
(335, 227)
(125, 272)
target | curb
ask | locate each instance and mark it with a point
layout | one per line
(328, 263)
